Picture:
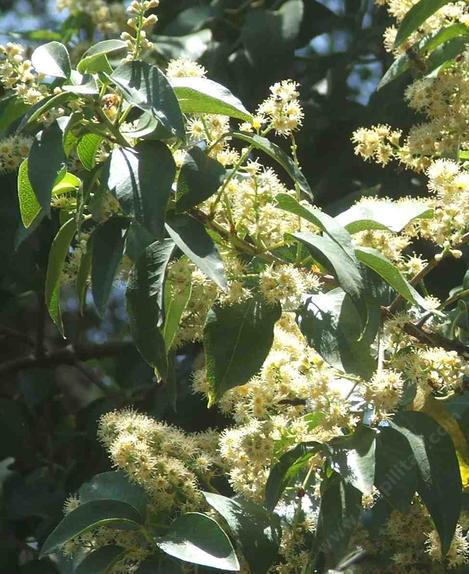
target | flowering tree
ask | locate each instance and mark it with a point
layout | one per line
(339, 378)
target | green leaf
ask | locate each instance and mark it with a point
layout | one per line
(87, 150)
(36, 111)
(439, 481)
(277, 154)
(387, 215)
(285, 472)
(373, 259)
(100, 561)
(108, 247)
(146, 88)
(396, 471)
(82, 276)
(160, 565)
(82, 86)
(29, 205)
(92, 59)
(145, 303)
(57, 255)
(399, 66)
(11, 108)
(415, 17)
(443, 35)
(69, 182)
(91, 515)
(114, 485)
(138, 238)
(256, 529)
(325, 222)
(46, 163)
(446, 53)
(175, 303)
(141, 178)
(333, 257)
(52, 59)
(199, 178)
(202, 96)
(193, 240)
(237, 339)
(334, 328)
(196, 538)
(353, 457)
(338, 515)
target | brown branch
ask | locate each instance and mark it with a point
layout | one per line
(67, 356)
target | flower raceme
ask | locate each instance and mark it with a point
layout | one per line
(316, 343)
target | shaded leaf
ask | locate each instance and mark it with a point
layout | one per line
(199, 178)
(193, 240)
(284, 472)
(256, 529)
(108, 246)
(439, 481)
(100, 561)
(90, 515)
(57, 255)
(141, 178)
(46, 163)
(114, 485)
(237, 339)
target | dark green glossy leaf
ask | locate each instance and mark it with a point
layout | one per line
(203, 96)
(145, 87)
(114, 485)
(145, 303)
(277, 154)
(100, 561)
(108, 247)
(237, 339)
(46, 163)
(91, 515)
(141, 178)
(57, 255)
(199, 178)
(338, 515)
(198, 539)
(193, 240)
(396, 471)
(284, 473)
(256, 529)
(52, 59)
(438, 477)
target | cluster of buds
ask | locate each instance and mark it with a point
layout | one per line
(139, 23)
